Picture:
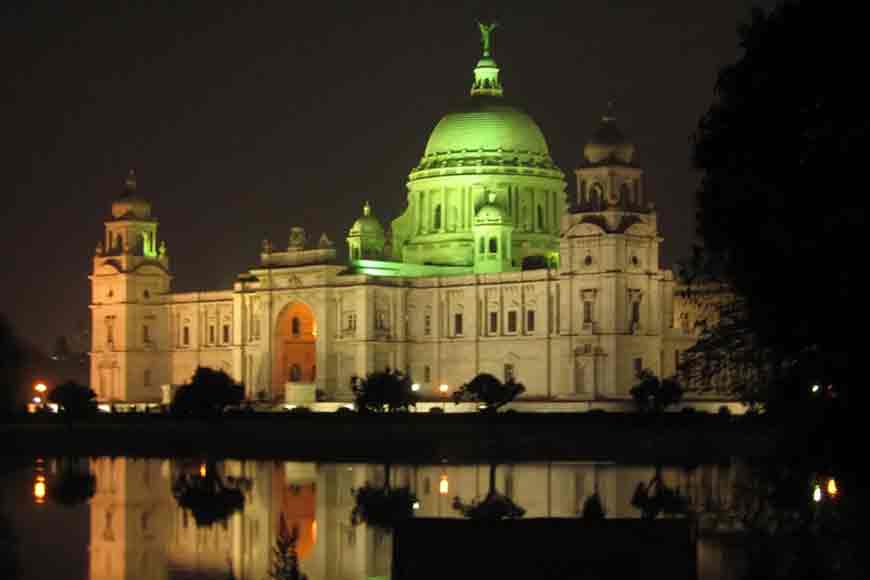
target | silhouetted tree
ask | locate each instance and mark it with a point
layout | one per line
(285, 559)
(74, 485)
(208, 394)
(382, 506)
(487, 389)
(388, 391)
(8, 550)
(652, 394)
(11, 361)
(656, 498)
(494, 506)
(75, 401)
(209, 498)
(769, 203)
(593, 509)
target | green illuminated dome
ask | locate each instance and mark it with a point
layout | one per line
(491, 214)
(487, 127)
(367, 224)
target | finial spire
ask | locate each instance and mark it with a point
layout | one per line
(130, 182)
(609, 115)
(486, 72)
(367, 209)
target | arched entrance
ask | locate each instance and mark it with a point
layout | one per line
(295, 348)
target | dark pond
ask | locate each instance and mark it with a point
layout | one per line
(120, 518)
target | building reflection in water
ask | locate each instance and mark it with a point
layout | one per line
(138, 531)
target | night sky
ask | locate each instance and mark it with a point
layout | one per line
(243, 122)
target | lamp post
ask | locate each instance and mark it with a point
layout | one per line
(39, 398)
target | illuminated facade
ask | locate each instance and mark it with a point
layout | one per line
(490, 268)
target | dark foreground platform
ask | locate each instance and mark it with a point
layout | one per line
(412, 438)
(544, 548)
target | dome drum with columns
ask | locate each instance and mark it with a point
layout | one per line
(487, 269)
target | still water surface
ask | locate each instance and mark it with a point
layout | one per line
(153, 519)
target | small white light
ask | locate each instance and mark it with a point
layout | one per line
(443, 388)
(415, 387)
(817, 494)
(37, 400)
(350, 407)
(416, 505)
(104, 408)
(289, 407)
(815, 388)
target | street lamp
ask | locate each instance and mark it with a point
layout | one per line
(415, 387)
(443, 388)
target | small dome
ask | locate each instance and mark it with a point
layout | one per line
(131, 205)
(608, 144)
(490, 214)
(367, 224)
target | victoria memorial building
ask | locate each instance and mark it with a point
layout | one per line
(491, 267)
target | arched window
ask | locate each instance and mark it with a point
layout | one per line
(436, 220)
(482, 249)
(294, 326)
(540, 218)
(295, 373)
(493, 245)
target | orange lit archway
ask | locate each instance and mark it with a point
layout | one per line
(295, 338)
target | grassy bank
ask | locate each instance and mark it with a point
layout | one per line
(675, 438)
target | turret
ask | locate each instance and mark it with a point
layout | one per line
(493, 238)
(365, 241)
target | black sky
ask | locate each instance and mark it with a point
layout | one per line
(244, 121)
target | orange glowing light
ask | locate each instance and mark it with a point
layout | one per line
(202, 470)
(443, 388)
(39, 489)
(40, 387)
(443, 485)
(832, 487)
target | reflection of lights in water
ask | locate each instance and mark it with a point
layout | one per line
(39, 489)
(817, 493)
(202, 470)
(444, 485)
(832, 487)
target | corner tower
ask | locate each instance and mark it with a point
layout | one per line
(129, 324)
(484, 152)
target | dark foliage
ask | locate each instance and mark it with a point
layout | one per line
(382, 507)
(209, 498)
(8, 550)
(74, 485)
(387, 391)
(495, 506)
(75, 401)
(655, 498)
(285, 559)
(208, 394)
(11, 361)
(781, 152)
(593, 509)
(488, 390)
(652, 394)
